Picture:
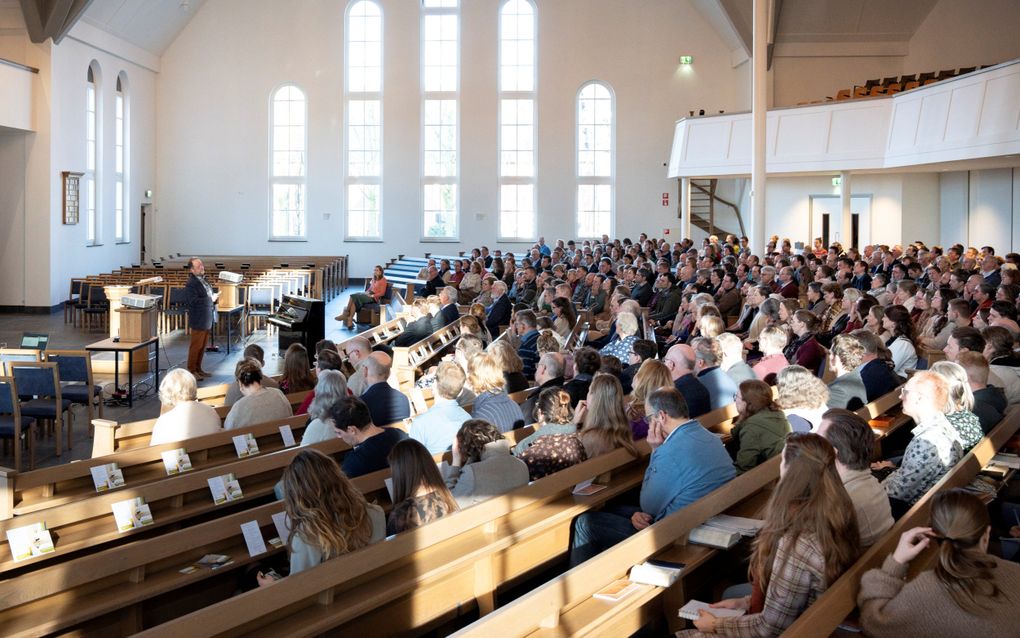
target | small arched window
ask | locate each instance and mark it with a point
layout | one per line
(93, 139)
(121, 207)
(596, 124)
(288, 157)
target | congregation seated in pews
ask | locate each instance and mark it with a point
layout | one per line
(675, 441)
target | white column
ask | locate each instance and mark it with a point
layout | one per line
(685, 208)
(759, 106)
(847, 233)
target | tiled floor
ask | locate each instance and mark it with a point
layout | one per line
(172, 354)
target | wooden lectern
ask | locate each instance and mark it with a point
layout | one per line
(137, 324)
(228, 296)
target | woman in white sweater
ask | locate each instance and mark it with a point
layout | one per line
(901, 345)
(186, 418)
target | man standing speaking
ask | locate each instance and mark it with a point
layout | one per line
(200, 299)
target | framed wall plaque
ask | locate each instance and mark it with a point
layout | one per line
(72, 196)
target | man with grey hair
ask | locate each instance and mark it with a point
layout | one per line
(731, 351)
(548, 374)
(498, 314)
(437, 427)
(448, 305)
(720, 386)
(386, 404)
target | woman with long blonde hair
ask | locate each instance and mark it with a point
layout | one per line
(968, 593)
(603, 421)
(328, 516)
(809, 539)
(652, 375)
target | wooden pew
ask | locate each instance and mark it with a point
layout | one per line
(429, 574)
(424, 575)
(564, 605)
(27, 492)
(840, 599)
(408, 360)
(110, 436)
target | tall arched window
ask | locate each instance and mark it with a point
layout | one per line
(596, 126)
(288, 163)
(364, 120)
(93, 140)
(517, 120)
(122, 232)
(440, 118)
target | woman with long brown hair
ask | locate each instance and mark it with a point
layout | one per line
(328, 516)
(419, 494)
(297, 370)
(652, 375)
(555, 445)
(809, 539)
(602, 418)
(968, 593)
(760, 429)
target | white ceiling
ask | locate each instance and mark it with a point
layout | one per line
(851, 20)
(149, 24)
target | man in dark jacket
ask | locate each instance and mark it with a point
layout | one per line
(877, 374)
(435, 282)
(642, 292)
(526, 325)
(385, 404)
(548, 374)
(448, 305)
(200, 299)
(498, 314)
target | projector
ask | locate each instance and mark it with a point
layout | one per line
(230, 277)
(139, 301)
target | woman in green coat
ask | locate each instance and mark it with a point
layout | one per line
(760, 429)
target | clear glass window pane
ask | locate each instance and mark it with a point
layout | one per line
(363, 208)
(517, 46)
(440, 210)
(288, 210)
(517, 210)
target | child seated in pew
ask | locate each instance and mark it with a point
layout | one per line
(297, 370)
(187, 418)
(329, 517)
(809, 539)
(419, 494)
(968, 593)
(259, 404)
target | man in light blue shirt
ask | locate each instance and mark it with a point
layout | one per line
(721, 387)
(687, 463)
(437, 427)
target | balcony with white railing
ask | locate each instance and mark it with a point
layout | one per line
(970, 117)
(16, 82)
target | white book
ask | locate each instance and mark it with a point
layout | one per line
(107, 477)
(176, 461)
(29, 541)
(282, 523)
(739, 524)
(131, 514)
(245, 445)
(225, 489)
(253, 538)
(691, 609)
(714, 537)
(288, 436)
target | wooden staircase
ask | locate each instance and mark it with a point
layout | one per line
(703, 200)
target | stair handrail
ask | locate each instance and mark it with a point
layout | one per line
(736, 210)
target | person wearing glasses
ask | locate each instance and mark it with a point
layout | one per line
(934, 449)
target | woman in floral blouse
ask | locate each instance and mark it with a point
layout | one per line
(419, 493)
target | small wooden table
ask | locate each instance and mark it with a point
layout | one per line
(119, 347)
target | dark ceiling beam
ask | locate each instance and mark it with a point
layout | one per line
(777, 10)
(47, 19)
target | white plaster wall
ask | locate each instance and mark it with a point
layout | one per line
(920, 208)
(216, 79)
(991, 216)
(954, 204)
(804, 79)
(12, 218)
(71, 256)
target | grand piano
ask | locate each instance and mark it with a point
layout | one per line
(300, 320)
